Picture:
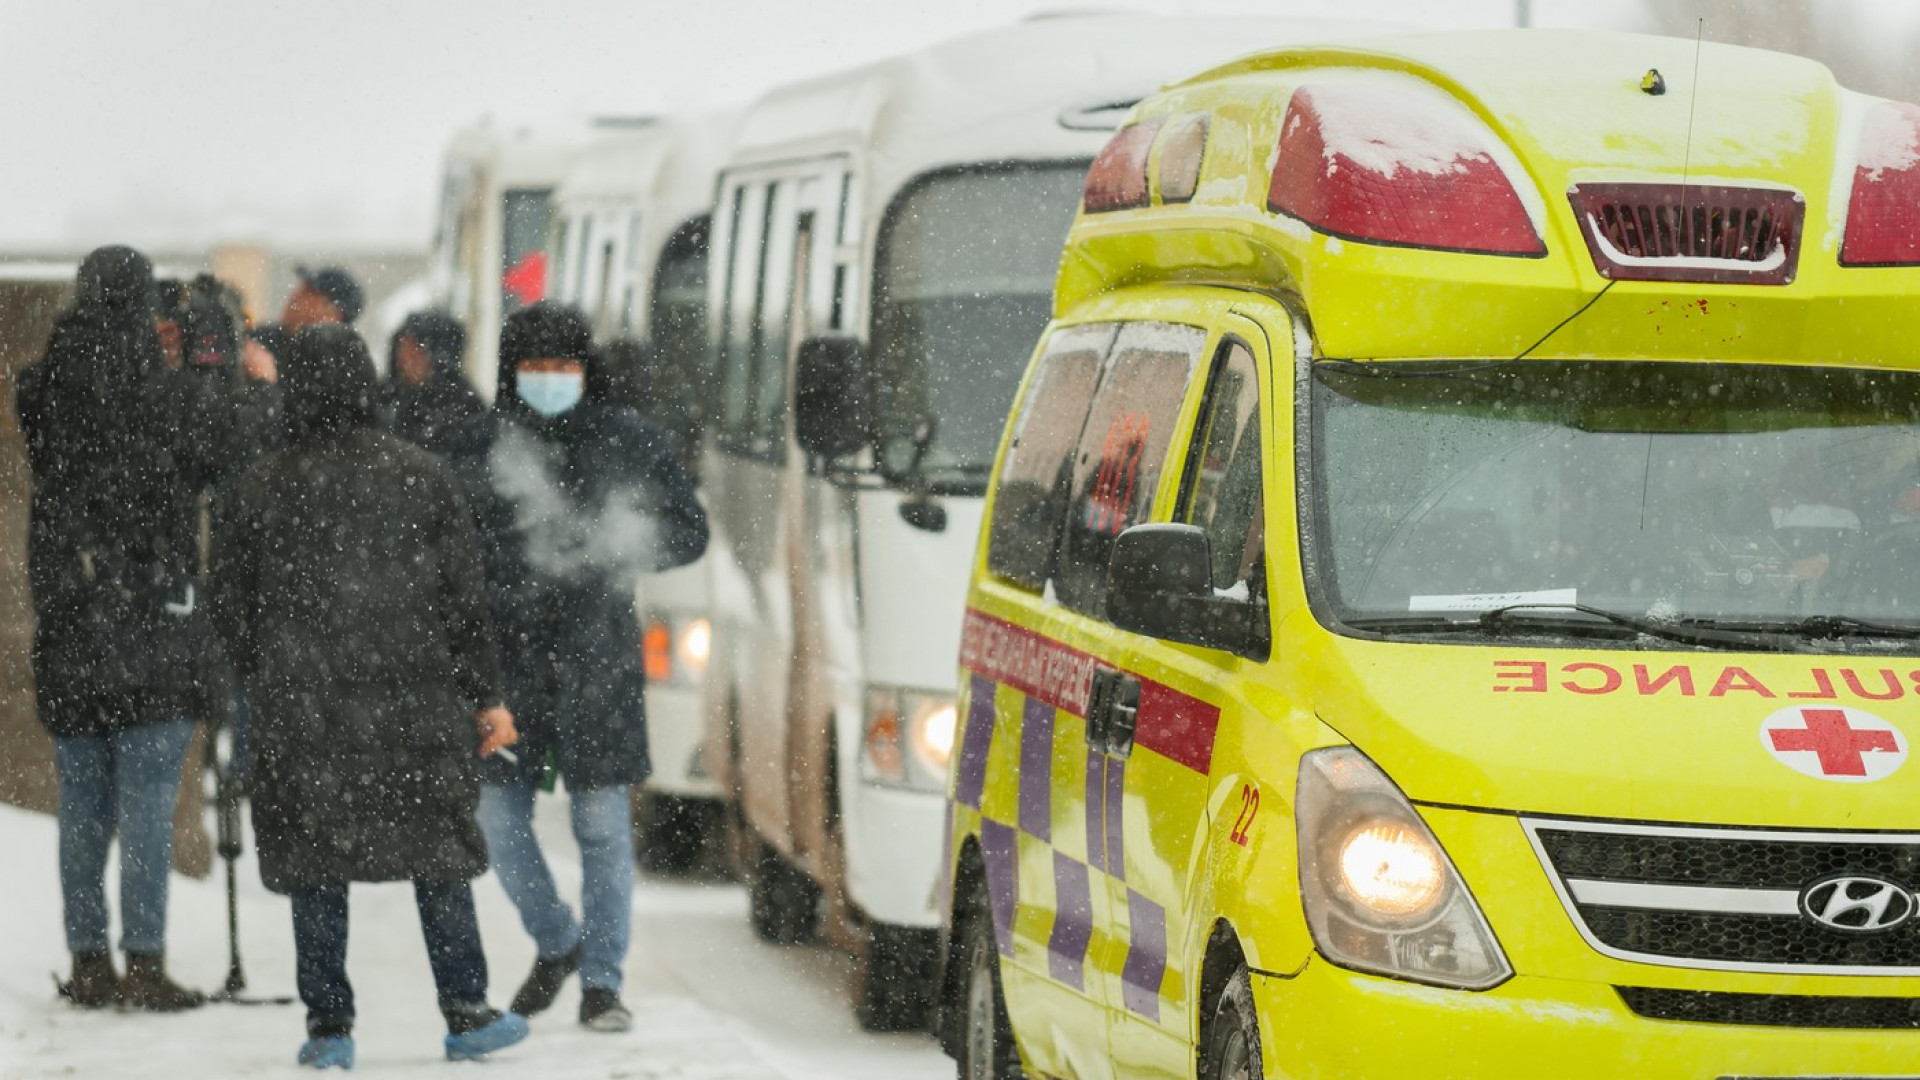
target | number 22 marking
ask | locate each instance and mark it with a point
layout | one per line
(1249, 806)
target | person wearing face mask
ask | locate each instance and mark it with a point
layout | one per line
(576, 496)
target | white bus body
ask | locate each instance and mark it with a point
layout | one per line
(917, 205)
(630, 250)
(495, 214)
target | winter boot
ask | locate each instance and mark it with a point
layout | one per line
(474, 1031)
(600, 1010)
(544, 982)
(327, 1052)
(147, 987)
(94, 985)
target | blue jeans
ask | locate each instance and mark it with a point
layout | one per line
(447, 921)
(126, 781)
(603, 827)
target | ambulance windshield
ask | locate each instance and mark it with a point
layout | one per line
(965, 286)
(1709, 494)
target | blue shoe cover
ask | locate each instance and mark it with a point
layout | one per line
(508, 1029)
(327, 1052)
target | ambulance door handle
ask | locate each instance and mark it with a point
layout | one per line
(1123, 714)
(1099, 708)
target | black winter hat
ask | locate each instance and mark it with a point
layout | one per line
(338, 286)
(546, 330)
(437, 332)
(329, 380)
(117, 282)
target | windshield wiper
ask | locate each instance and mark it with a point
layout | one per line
(1818, 627)
(1503, 616)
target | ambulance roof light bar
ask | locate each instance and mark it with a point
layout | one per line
(1117, 179)
(1702, 233)
(1883, 215)
(1387, 164)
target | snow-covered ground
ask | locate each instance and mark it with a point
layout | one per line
(709, 1001)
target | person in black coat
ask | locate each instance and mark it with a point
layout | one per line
(427, 389)
(348, 590)
(577, 497)
(122, 449)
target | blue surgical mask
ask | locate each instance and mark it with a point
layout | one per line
(551, 393)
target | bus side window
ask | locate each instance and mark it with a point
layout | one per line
(1030, 498)
(745, 271)
(1116, 467)
(1221, 490)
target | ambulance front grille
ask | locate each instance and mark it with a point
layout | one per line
(1772, 1010)
(1728, 899)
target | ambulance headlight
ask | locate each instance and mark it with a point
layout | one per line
(908, 739)
(1379, 892)
(1390, 870)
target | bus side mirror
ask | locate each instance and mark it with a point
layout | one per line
(1160, 583)
(832, 401)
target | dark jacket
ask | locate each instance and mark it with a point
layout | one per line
(432, 414)
(573, 509)
(348, 589)
(122, 452)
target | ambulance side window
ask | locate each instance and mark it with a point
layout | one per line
(1221, 490)
(1031, 496)
(1116, 467)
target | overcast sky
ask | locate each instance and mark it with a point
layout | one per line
(182, 123)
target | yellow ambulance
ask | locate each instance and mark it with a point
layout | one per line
(1449, 598)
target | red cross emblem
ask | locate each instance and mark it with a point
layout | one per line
(1834, 744)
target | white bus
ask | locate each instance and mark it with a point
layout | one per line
(630, 250)
(496, 211)
(887, 239)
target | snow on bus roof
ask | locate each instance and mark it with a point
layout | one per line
(524, 151)
(1002, 92)
(648, 162)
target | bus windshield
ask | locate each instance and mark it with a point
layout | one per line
(1769, 500)
(964, 289)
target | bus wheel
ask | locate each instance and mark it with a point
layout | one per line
(783, 902)
(986, 1036)
(674, 832)
(897, 986)
(1233, 1037)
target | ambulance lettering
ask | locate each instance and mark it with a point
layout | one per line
(1589, 678)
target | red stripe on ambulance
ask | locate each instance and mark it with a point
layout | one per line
(1174, 725)
(1177, 726)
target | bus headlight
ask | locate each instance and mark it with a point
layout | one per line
(696, 647)
(1379, 892)
(908, 739)
(673, 652)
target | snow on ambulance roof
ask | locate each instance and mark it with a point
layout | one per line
(1001, 94)
(1475, 195)
(1549, 91)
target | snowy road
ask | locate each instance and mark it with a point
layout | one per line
(710, 1002)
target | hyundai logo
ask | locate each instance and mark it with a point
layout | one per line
(1857, 904)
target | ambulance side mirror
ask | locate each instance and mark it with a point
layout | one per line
(832, 401)
(1160, 583)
